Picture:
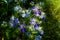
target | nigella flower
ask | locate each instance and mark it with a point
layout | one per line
(13, 24)
(42, 16)
(17, 8)
(13, 21)
(36, 26)
(27, 15)
(24, 15)
(38, 37)
(16, 20)
(12, 18)
(32, 21)
(23, 29)
(36, 11)
(41, 32)
(22, 25)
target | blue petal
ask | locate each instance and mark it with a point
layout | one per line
(26, 15)
(32, 22)
(41, 32)
(39, 12)
(13, 24)
(11, 21)
(43, 18)
(23, 15)
(38, 37)
(16, 20)
(36, 25)
(16, 8)
(33, 19)
(23, 29)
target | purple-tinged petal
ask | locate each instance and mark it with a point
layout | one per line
(32, 22)
(16, 20)
(13, 24)
(36, 26)
(33, 19)
(34, 9)
(23, 29)
(26, 15)
(11, 21)
(39, 12)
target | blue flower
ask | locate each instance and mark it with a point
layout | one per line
(32, 21)
(41, 32)
(11, 21)
(17, 8)
(36, 26)
(38, 37)
(23, 29)
(16, 20)
(13, 24)
(42, 17)
(26, 15)
(36, 11)
(23, 15)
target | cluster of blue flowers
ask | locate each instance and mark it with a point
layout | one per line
(13, 21)
(33, 21)
(16, 23)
